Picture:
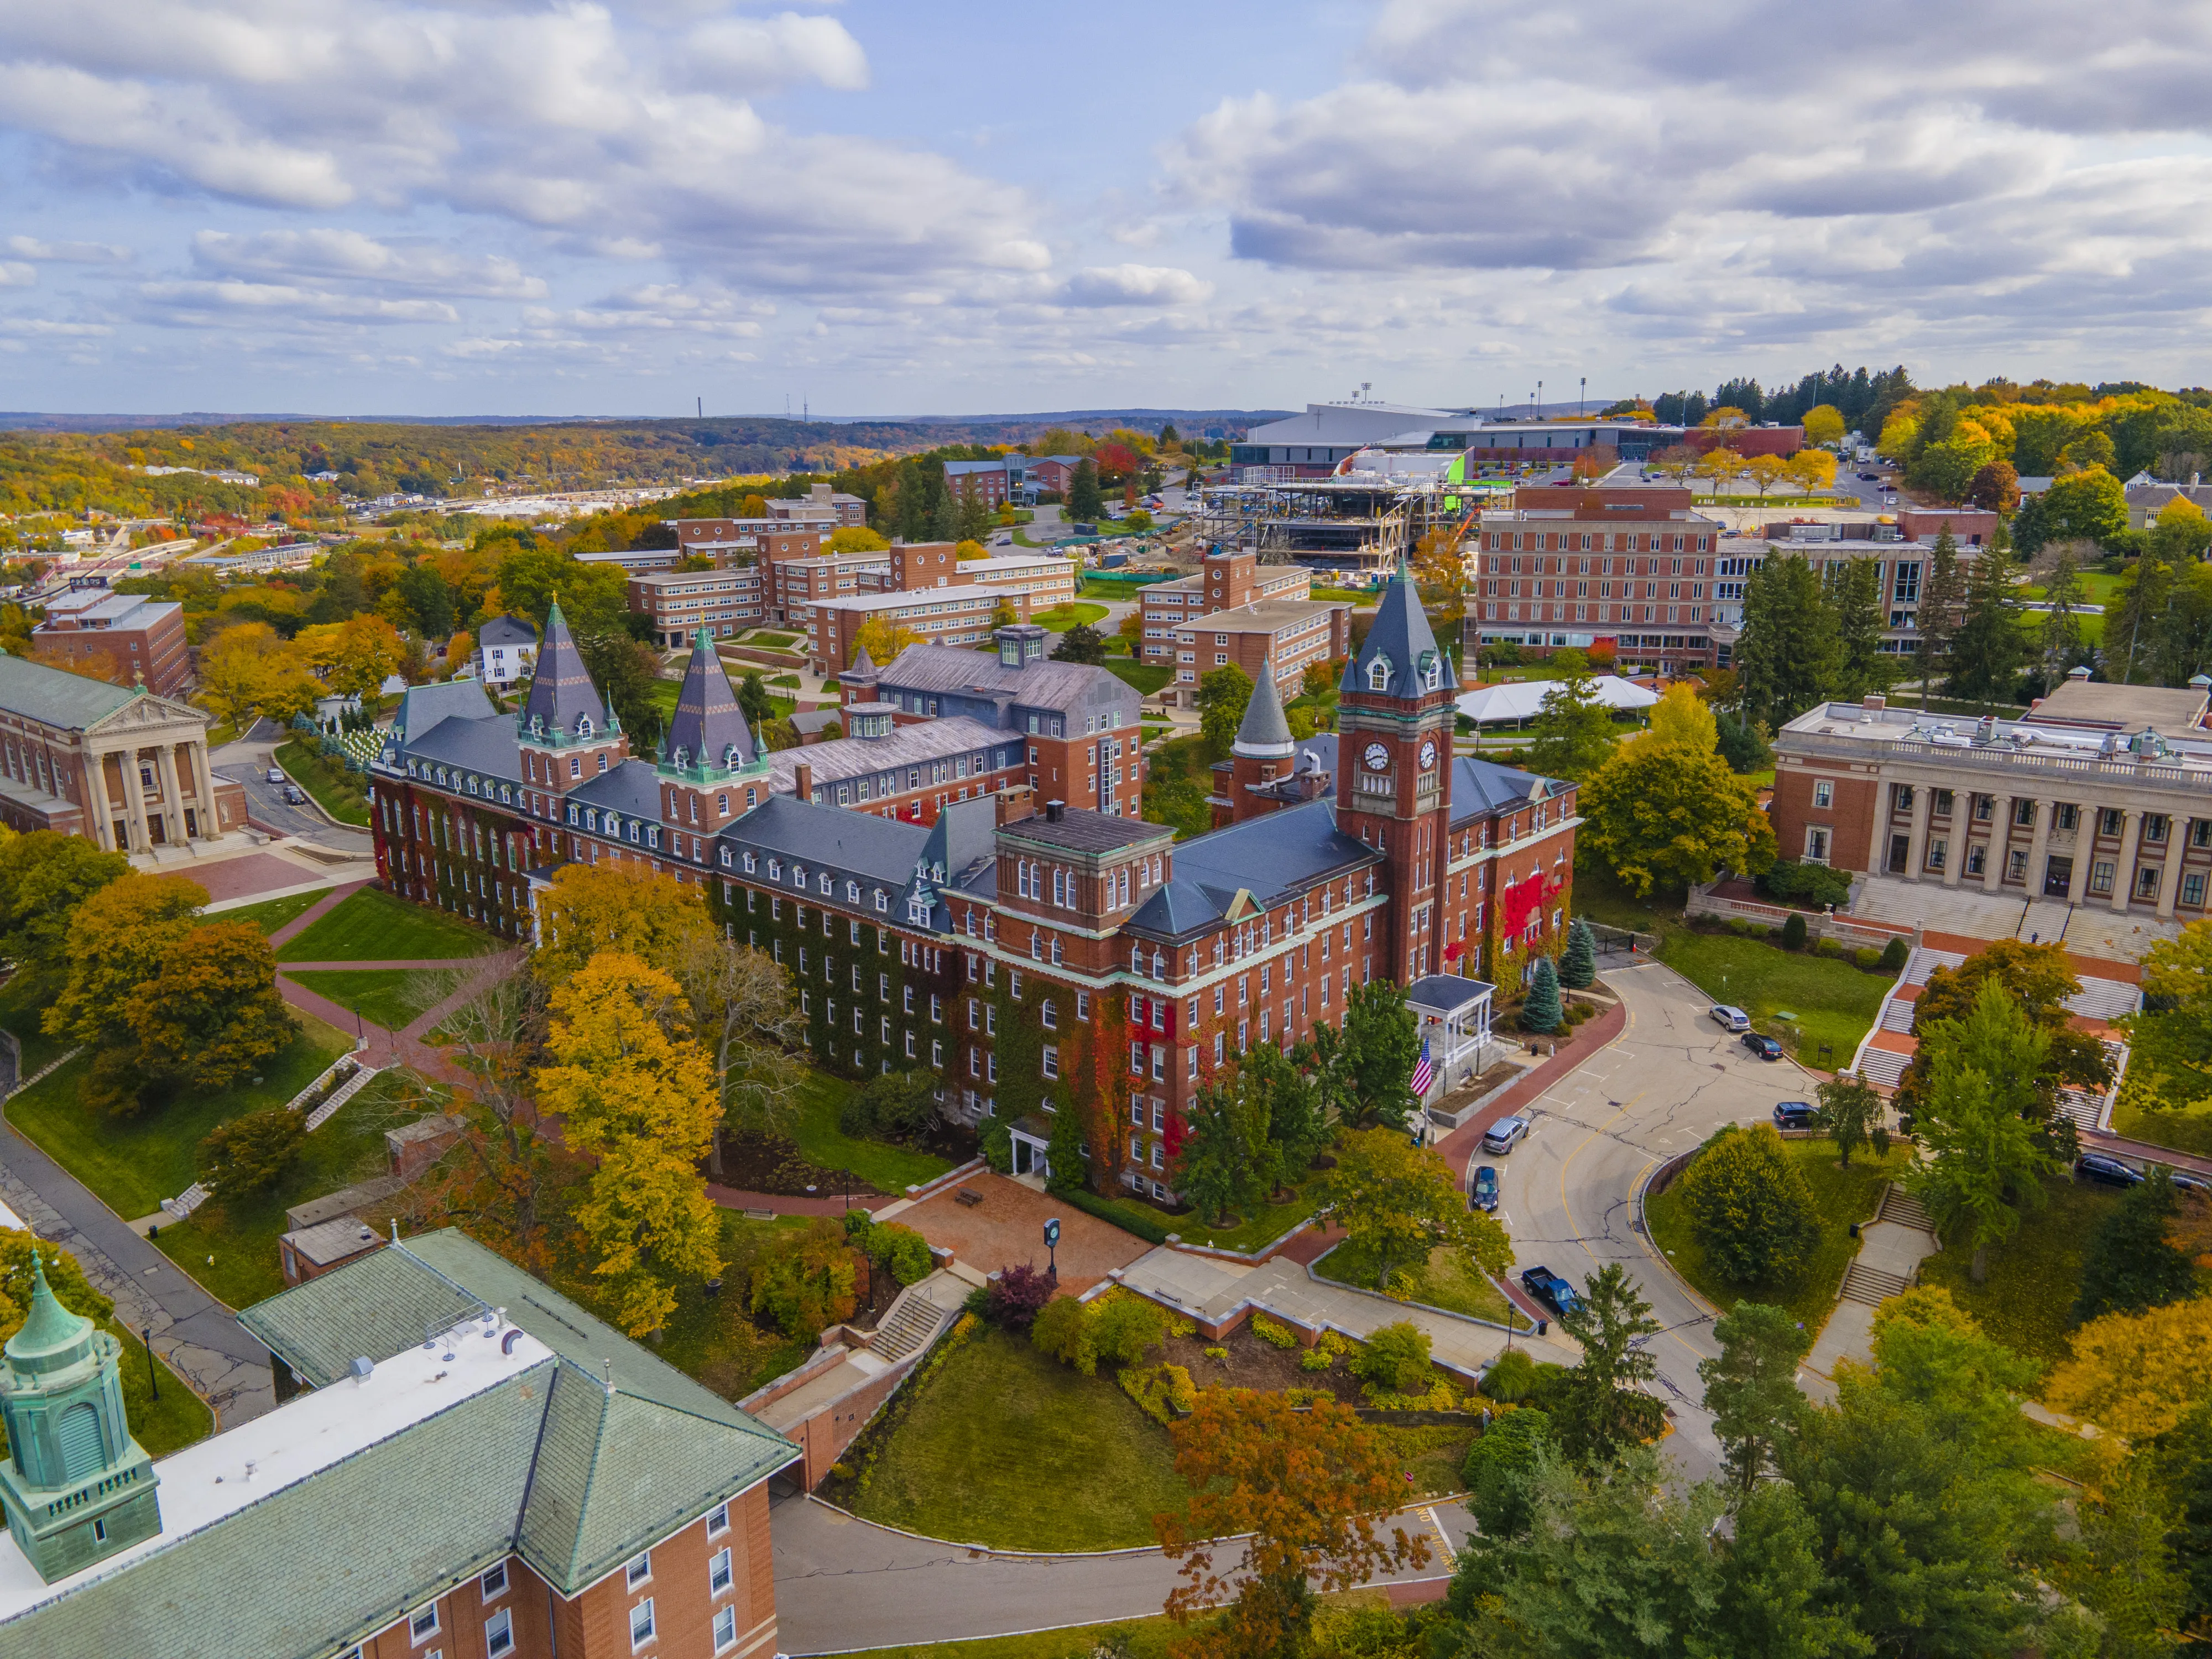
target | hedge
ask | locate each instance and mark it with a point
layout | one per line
(1129, 1218)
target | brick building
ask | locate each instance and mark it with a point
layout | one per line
(987, 481)
(506, 1474)
(680, 603)
(823, 507)
(1224, 582)
(89, 628)
(938, 598)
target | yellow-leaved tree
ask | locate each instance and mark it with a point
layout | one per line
(1824, 424)
(636, 1094)
(1682, 716)
(589, 909)
(2138, 1375)
(883, 638)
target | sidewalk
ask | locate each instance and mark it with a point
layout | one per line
(1889, 1250)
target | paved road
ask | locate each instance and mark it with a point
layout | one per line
(1566, 1193)
(842, 1584)
(248, 761)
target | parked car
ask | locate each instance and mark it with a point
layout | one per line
(292, 796)
(1871, 478)
(1764, 1047)
(1796, 1114)
(2195, 1185)
(1482, 1192)
(275, 774)
(1549, 1287)
(2106, 1171)
(1504, 1133)
(1731, 1019)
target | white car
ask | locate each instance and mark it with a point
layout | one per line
(275, 774)
(1731, 1019)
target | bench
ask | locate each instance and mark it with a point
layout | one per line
(968, 1197)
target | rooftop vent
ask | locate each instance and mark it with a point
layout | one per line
(1054, 810)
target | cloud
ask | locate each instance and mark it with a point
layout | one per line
(75, 253)
(752, 53)
(1134, 285)
(349, 257)
(15, 274)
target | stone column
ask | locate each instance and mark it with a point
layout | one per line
(203, 786)
(2123, 876)
(2038, 842)
(173, 801)
(2000, 839)
(134, 798)
(1916, 855)
(97, 807)
(2169, 878)
(1962, 825)
(2085, 850)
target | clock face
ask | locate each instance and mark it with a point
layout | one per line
(1428, 756)
(1377, 757)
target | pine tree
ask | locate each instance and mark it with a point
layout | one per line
(1986, 652)
(1573, 732)
(1789, 655)
(1940, 598)
(1854, 595)
(1084, 503)
(1540, 1009)
(1578, 967)
(2061, 629)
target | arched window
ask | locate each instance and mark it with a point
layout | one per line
(1378, 674)
(583, 725)
(683, 757)
(732, 759)
(78, 1437)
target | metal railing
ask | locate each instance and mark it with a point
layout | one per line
(2155, 773)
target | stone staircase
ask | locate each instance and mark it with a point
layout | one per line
(1900, 1207)
(346, 1090)
(1882, 1067)
(1871, 1285)
(1924, 962)
(911, 1325)
(1897, 1014)
(2104, 998)
(186, 1202)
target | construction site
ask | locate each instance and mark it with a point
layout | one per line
(1356, 526)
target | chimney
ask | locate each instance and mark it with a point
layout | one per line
(1054, 810)
(802, 780)
(1875, 700)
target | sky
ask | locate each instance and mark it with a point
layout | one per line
(871, 208)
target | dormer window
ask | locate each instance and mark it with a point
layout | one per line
(683, 757)
(1378, 674)
(1433, 673)
(583, 725)
(852, 892)
(774, 868)
(731, 758)
(917, 910)
(827, 884)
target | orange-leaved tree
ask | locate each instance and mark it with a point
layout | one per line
(1311, 1492)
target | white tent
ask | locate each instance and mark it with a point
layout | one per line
(1494, 705)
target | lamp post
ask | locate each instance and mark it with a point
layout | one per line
(153, 1371)
(1052, 1250)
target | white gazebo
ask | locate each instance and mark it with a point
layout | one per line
(1454, 1022)
(1521, 700)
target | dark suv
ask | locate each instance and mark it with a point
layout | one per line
(1796, 1114)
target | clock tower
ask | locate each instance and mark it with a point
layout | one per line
(1394, 718)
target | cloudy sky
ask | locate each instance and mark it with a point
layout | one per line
(493, 206)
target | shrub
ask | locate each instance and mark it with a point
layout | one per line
(1063, 1332)
(1163, 1392)
(1123, 1326)
(903, 1250)
(1315, 1359)
(1893, 956)
(1793, 930)
(1813, 884)
(1749, 1206)
(804, 1281)
(1828, 947)
(1218, 1356)
(897, 1106)
(1499, 1467)
(1396, 1358)
(1867, 959)
(1274, 1335)
(1511, 1376)
(250, 1154)
(1014, 1298)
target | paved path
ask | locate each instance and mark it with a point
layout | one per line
(313, 914)
(1894, 1246)
(198, 1336)
(842, 1583)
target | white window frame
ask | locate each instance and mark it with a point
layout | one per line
(639, 1639)
(499, 1634)
(486, 1587)
(417, 1632)
(726, 1629)
(721, 1567)
(638, 1570)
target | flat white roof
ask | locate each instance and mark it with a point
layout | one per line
(219, 1476)
(1521, 699)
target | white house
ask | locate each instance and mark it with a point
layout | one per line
(506, 648)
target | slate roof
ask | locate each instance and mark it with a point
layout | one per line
(422, 707)
(1401, 632)
(1480, 787)
(1062, 687)
(709, 724)
(1082, 830)
(1275, 857)
(57, 697)
(563, 694)
(506, 630)
(630, 786)
(843, 758)
(487, 746)
(1446, 992)
(1264, 729)
(860, 843)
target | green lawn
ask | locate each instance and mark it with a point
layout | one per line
(242, 1237)
(772, 641)
(1146, 677)
(1446, 1281)
(1350, 595)
(2034, 1276)
(2185, 1131)
(336, 790)
(132, 1164)
(1831, 1001)
(393, 998)
(374, 926)
(1007, 1448)
(1061, 617)
(887, 1168)
(20, 1003)
(271, 914)
(1263, 1226)
(1843, 1196)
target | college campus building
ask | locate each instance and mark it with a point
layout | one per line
(503, 1474)
(1236, 611)
(1002, 915)
(2101, 795)
(116, 764)
(123, 636)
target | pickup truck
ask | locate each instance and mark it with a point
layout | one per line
(1547, 1286)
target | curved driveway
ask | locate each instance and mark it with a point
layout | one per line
(1567, 1193)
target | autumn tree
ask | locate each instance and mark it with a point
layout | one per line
(1397, 1202)
(44, 876)
(2172, 1036)
(1306, 1490)
(64, 1274)
(634, 1092)
(246, 672)
(1663, 815)
(2039, 978)
(883, 637)
(354, 657)
(1763, 472)
(1823, 424)
(622, 905)
(248, 1154)
(2137, 1374)
(117, 939)
(1439, 566)
(1682, 716)
(211, 1014)
(500, 1173)
(1572, 734)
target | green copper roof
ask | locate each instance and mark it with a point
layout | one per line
(57, 697)
(52, 1335)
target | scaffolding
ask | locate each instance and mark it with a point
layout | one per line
(1360, 527)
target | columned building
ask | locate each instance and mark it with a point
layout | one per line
(2100, 796)
(115, 763)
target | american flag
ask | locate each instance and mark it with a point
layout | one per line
(1424, 1073)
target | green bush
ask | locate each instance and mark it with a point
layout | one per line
(1749, 1206)
(1163, 1392)
(1315, 1359)
(1793, 930)
(1122, 1327)
(897, 1106)
(1396, 1359)
(1813, 884)
(1829, 947)
(1893, 955)
(1274, 1335)
(250, 1154)
(1511, 1378)
(997, 1145)
(1063, 1332)
(1499, 1468)
(1866, 958)
(1128, 1214)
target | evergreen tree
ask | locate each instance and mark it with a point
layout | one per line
(1790, 656)
(1986, 653)
(2062, 627)
(1751, 1389)
(1573, 732)
(2131, 1264)
(1082, 643)
(1578, 967)
(753, 697)
(1540, 1009)
(1854, 595)
(975, 516)
(1084, 502)
(1941, 598)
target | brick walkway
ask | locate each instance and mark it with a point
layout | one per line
(313, 914)
(1008, 1227)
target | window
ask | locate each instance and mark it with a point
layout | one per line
(726, 1630)
(1824, 793)
(499, 1633)
(422, 1622)
(718, 1573)
(2154, 825)
(493, 1585)
(2109, 820)
(2100, 876)
(640, 1570)
(1816, 846)
(2024, 811)
(2146, 882)
(2192, 890)
(718, 1521)
(640, 1624)
(1051, 1060)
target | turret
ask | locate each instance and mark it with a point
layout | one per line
(567, 732)
(710, 754)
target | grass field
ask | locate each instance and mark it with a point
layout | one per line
(1146, 677)
(336, 790)
(1832, 1002)
(374, 926)
(1248, 1232)
(271, 914)
(161, 1424)
(888, 1169)
(393, 998)
(1061, 617)
(1446, 1280)
(242, 1237)
(1843, 1196)
(1007, 1448)
(2034, 1276)
(132, 1164)
(2185, 1131)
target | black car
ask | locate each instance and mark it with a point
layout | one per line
(1764, 1047)
(2106, 1171)
(1547, 1286)
(1482, 1192)
(1796, 1114)
(1871, 478)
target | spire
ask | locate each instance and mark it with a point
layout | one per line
(1264, 732)
(1403, 642)
(709, 732)
(562, 695)
(50, 1333)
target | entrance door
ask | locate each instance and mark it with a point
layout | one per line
(1021, 1155)
(1900, 854)
(2058, 877)
(157, 829)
